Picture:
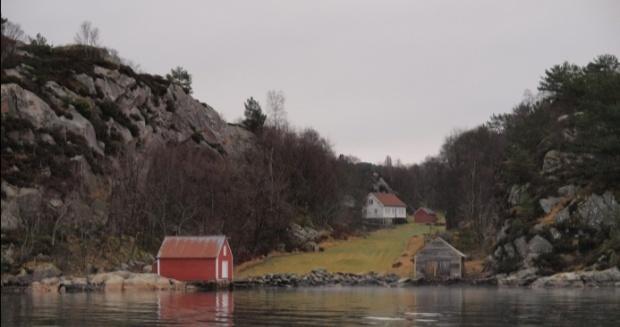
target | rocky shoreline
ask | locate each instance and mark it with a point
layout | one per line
(125, 281)
(107, 281)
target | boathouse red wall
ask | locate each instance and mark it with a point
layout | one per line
(424, 216)
(195, 259)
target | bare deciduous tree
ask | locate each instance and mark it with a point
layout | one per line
(87, 35)
(13, 31)
(276, 111)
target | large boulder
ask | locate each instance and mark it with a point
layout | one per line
(46, 285)
(517, 194)
(509, 250)
(520, 278)
(24, 104)
(521, 246)
(568, 279)
(19, 205)
(43, 270)
(539, 245)
(599, 211)
(557, 163)
(299, 237)
(142, 282)
(603, 278)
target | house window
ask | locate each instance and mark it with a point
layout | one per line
(224, 251)
(369, 201)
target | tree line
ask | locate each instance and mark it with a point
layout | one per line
(288, 176)
(577, 111)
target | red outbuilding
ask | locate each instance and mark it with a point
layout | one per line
(425, 216)
(195, 258)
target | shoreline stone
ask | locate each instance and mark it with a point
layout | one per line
(580, 279)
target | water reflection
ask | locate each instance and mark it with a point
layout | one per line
(191, 308)
(422, 306)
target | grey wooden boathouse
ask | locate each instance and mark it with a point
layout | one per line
(438, 260)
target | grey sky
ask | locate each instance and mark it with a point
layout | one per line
(374, 77)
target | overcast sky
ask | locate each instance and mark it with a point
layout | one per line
(376, 78)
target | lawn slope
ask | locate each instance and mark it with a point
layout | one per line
(376, 252)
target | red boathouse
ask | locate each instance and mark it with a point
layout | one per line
(195, 258)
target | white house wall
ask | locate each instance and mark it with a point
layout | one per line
(374, 208)
(394, 212)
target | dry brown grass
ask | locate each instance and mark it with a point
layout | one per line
(549, 218)
(405, 264)
(473, 268)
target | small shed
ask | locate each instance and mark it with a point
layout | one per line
(195, 258)
(438, 260)
(425, 216)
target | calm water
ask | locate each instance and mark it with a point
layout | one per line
(423, 306)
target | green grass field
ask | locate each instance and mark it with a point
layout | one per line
(376, 252)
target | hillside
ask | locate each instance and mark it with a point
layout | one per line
(72, 117)
(100, 162)
(536, 190)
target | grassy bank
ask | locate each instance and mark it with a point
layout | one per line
(376, 252)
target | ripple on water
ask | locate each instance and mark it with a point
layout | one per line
(324, 306)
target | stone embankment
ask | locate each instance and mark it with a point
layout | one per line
(321, 277)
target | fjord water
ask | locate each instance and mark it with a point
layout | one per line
(421, 306)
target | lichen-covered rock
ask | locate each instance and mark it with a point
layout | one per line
(303, 237)
(603, 278)
(19, 205)
(599, 211)
(509, 250)
(87, 82)
(520, 278)
(26, 105)
(40, 271)
(521, 246)
(517, 194)
(557, 163)
(539, 245)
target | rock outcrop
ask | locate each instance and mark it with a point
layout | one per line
(603, 278)
(70, 122)
(304, 238)
(109, 282)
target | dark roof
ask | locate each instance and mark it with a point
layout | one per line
(191, 246)
(438, 242)
(389, 199)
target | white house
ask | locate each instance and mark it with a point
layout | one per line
(384, 208)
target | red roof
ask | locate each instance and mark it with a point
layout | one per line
(389, 199)
(191, 246)
(427, 211)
